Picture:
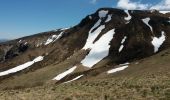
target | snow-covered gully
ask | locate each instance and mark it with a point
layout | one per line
(146, 21)
(129, 17)
(99, 50)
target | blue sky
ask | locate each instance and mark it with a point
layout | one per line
(24, 17)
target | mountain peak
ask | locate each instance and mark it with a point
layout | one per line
(105, 39)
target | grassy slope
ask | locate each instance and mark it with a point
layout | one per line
(40, 76)
(147, 80)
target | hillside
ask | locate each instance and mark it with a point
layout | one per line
(111, 54)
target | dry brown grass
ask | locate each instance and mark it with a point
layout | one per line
(148, 79)
(153, 87)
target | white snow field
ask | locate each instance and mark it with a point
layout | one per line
(62, 75)
(101, 14)
(99, 49)
(92, 37)
(21, 67)
(157, 42)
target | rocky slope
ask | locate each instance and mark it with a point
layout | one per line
(98, 47)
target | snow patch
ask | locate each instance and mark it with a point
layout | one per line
(97, 52)
(53, 38)
(102, 13)
(146, 21)
(95, 25)
(90, 17)
(123, 40)
(39, 44)
(92, 37)
(153, 10)
(99, 49)
(62, 75)
(109, 17)
(121, 48)
(164, 12)
(129, 17)
(59, 36)
(117, 69)
(63, 29)
(21, 67)
(127, 63)
(136, 63)
(157, 42)
(74, 79)
(25, 43)
(50, 40)
(19, 41)
(40, 58)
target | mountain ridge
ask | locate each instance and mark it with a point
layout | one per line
(3, 40)
(99, 46)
